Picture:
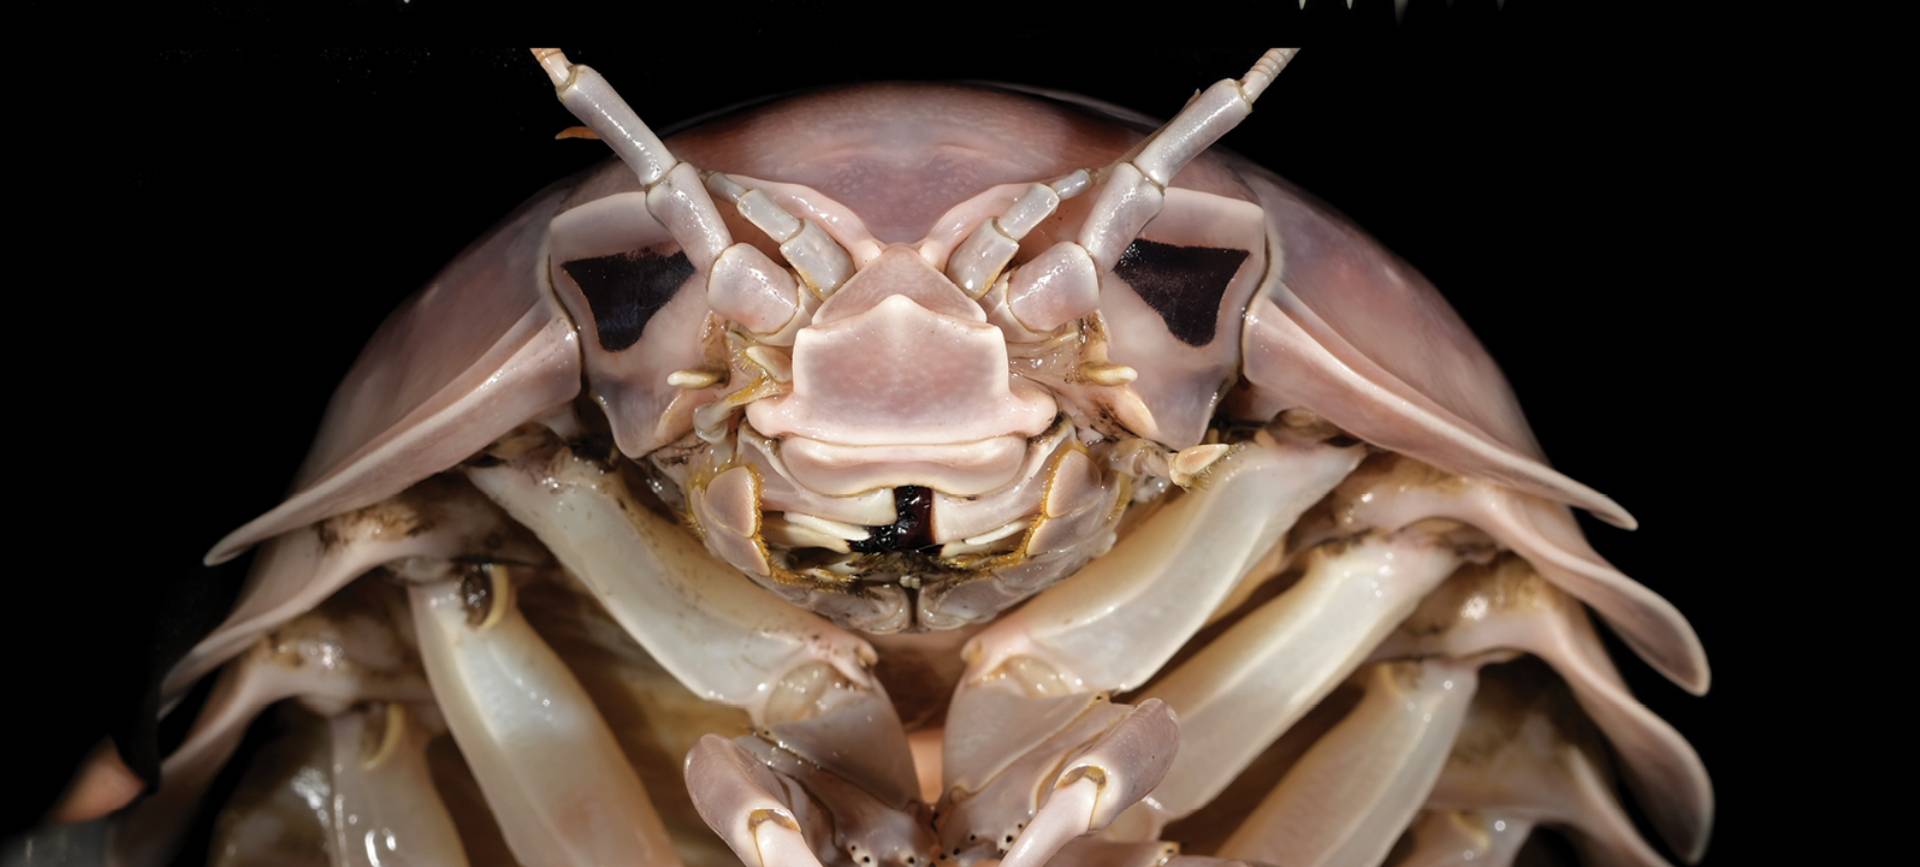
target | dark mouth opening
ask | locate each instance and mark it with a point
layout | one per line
(912, 527)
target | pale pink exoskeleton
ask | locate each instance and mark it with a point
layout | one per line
(914, 474)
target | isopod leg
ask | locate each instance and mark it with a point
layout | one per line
(1392, 492)
(1507, 604)
(553, 775)
(386, 812)
(439, 520)
(1092, 786)
(330, 659)
(1244, 689)
(774, 807)
(1517, 758)
(1111, 625)
(1039, 676)
(805, 683)
(676, 601)
(758, 813)
(1347, 799)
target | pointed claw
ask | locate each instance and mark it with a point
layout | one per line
(750, 807)
(1076, 781)
(386, 812)
(845, 747)
(868, 830)
(1067, 813)
(850, 732)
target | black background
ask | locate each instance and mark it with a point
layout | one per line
(1568, 191)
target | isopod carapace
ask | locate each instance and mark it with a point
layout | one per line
(909, 473)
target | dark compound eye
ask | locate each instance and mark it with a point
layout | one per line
(1182, 284)
(625, 290)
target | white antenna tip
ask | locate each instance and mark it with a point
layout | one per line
(1265, 70)
(555, 62)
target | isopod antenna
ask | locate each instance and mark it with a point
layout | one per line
(676, 195)
(1062, 283)
(1133, 189)
(743, 284)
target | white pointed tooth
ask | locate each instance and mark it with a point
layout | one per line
(839, 529)
(386, 811)
(1344, 803)
(775, 361)
(1187, 464)
(1001, 532)
(963, 549)
(693, 378)
(779, 531)
(553, 775)
(1107, 373)
(998, 538)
